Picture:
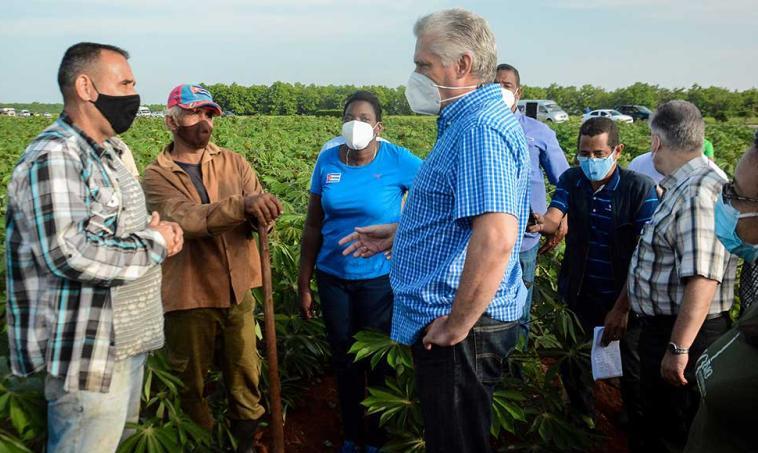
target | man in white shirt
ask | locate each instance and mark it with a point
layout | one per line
(644, 164)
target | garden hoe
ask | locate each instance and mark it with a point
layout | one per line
(277, 423)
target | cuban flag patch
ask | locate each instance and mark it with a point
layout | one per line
(332, 178)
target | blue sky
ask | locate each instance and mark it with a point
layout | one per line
(609, 43)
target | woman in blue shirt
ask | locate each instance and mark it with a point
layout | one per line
(361, 182)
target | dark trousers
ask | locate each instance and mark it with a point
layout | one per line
(350, 306)
(669, 410)
(455, 386)
(197, 338)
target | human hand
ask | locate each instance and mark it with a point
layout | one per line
(552, 240)
(264, 207)
(537, 222)
(615, 326)
(368, 241)
(672, 368)
(440, 333)
(306, 301)
(171, 232)
(178, 237)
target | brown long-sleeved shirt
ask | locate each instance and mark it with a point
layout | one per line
(220, 260)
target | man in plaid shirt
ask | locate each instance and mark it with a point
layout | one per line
(82, 259)
(681, 278)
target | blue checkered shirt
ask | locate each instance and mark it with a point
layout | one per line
(479, 164)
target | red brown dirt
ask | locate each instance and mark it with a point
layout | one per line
(608, 404)
(314, 425)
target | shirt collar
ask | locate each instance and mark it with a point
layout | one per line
(165, 160)
(681, 174)
(468, 102)
(90, 141)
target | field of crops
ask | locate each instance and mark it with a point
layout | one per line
(528, 410)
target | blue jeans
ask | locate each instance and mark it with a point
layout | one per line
(528, 260)
(455, 386)
(80, 421)
(350, 306)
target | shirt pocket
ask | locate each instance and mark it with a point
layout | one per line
(104, 209)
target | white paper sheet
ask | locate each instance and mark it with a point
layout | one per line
(606, 361)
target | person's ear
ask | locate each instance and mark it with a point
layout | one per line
(655, 143)
(84, 89)
(170, 123)
(619, 150)
(379, 128)
(464, 65)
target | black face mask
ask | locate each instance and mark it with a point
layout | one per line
(120, 111)
(197, 136)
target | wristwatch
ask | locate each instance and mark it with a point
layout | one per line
(678, 350)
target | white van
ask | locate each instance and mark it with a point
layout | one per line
(543, 109)
(8, 111)
(143, 111)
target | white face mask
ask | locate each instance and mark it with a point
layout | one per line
(508, 98)
(357, 134)
(423, 94)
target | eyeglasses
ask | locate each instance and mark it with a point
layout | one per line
(729, 194)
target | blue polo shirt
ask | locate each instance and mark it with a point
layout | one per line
(544, 153)
(359, 196)
(598, 276)
(479, 164)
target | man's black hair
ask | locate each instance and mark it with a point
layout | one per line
(507, 67)
(366, 96)
(78, 57)
(600, 125)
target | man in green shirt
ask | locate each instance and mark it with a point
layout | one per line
(708, 149)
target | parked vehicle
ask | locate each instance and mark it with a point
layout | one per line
(543, 109)
(8, 111)
(608, 113)
(25, 113)
(143, 111)
(637, 112)
(47, 115)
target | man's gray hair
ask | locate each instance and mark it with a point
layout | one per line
(174, 113)
(454, 33)
(680, 126)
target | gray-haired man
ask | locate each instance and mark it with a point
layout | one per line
(681, 279)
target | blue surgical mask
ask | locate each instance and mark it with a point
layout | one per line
(726, 230)
(596, 169)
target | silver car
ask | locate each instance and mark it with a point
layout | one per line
(543, 109)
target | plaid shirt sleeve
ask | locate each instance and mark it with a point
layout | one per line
(488, 174)
(698, 250)
(74, 225)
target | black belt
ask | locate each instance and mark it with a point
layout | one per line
(670, 319)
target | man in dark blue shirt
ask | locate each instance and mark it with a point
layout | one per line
(544, 152)
(608, 207)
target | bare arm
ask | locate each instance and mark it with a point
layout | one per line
(616, 320)
(698, 294)
(309, 248)
(489, 250)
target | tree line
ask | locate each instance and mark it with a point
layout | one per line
(283, 98)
